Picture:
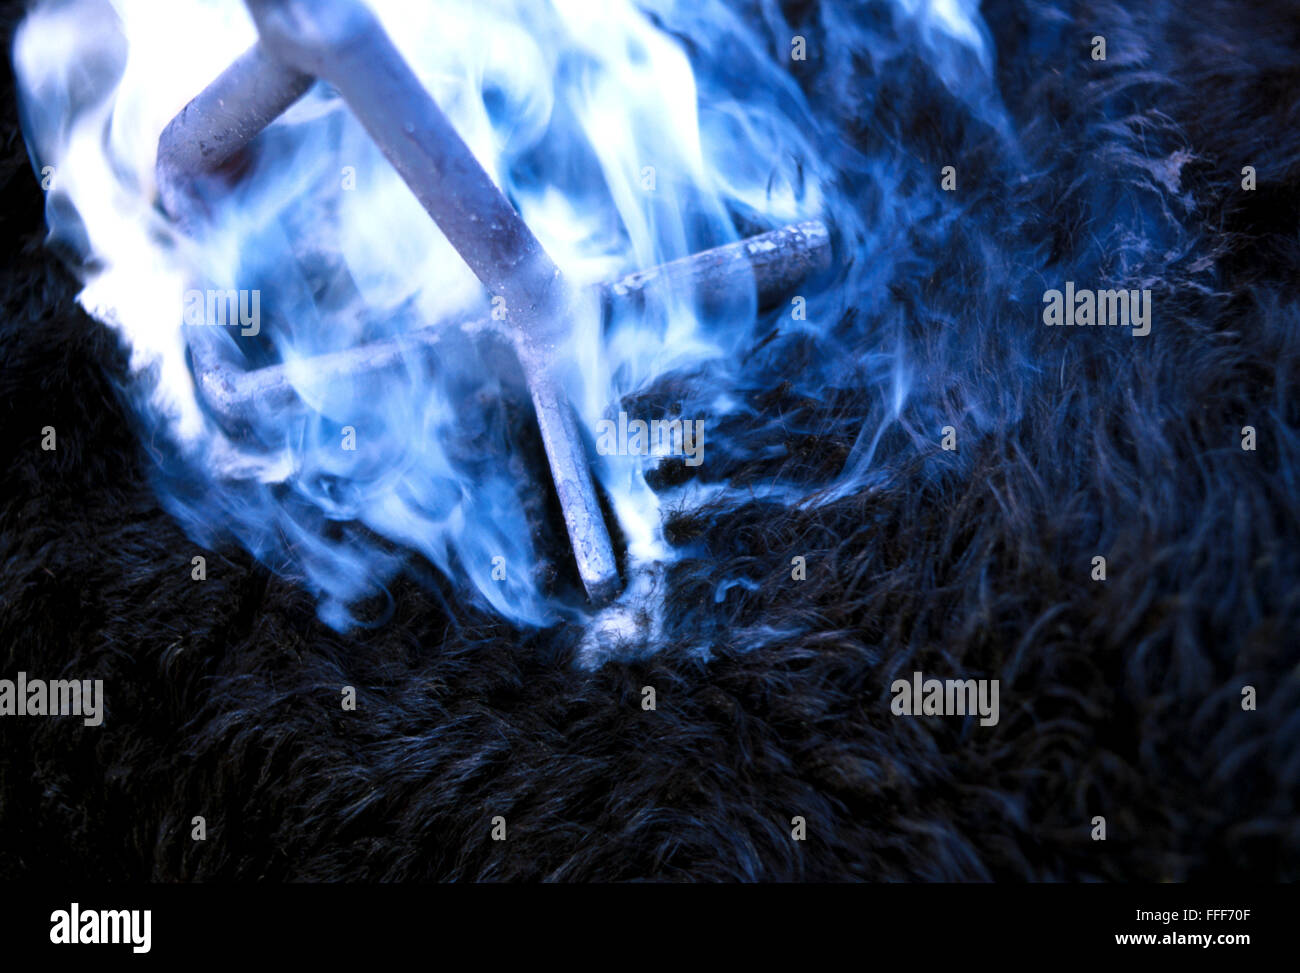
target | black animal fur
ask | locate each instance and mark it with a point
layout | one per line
(1119, 699)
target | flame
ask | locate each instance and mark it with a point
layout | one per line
(626, 134)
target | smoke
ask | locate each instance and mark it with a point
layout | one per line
(626, 134)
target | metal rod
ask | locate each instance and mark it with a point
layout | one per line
(220, 121)
(217, 124)
(771, 263)
(343, 43)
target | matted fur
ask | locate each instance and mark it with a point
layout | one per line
(1119, 698)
